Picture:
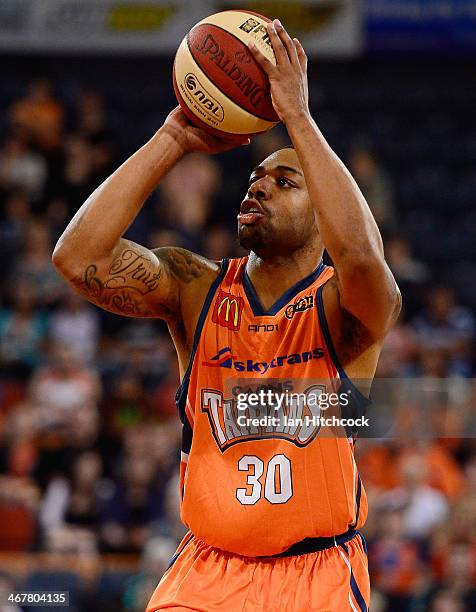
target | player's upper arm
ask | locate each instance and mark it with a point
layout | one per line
(136, 281)
(368, 292)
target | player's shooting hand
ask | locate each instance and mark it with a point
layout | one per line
(288, 79)
(191, 138)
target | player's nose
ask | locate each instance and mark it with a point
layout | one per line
(260, 189)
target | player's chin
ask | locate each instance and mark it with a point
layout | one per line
(250, 237)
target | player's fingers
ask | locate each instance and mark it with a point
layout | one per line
(263, 61)
(287, 42)
(301, 54)
(278, 47)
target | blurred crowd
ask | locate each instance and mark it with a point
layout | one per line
(89, 435)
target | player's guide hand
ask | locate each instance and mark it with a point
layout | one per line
(288, 79)
(191, 138)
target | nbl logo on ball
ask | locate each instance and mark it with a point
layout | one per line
(207, 103)
(190, 82)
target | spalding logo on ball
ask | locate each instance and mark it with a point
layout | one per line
(218, 83)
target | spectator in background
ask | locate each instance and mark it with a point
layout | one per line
(440, 470)
(423, 507)
(78, 172)
(410, 274)
(144, 352)
(133, 504)
(64, 394)
(71, 503)
(133, 510)
(21, 444)
(56, 216)
(21, 168)
(126, 404)
(187, 193)
(39, 116)
(396, 559)
(376, 187)
(461, 525)
(445, 325)
(14, 227)
(75, 324)
(399, 351)
(447, 601)
(458, 576)
(91, 120)
(35, 268)
(403, 264)
(23, 329)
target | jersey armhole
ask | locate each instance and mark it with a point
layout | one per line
(183, 388)
(331, 348)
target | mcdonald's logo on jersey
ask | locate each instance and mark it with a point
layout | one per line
(227, 311)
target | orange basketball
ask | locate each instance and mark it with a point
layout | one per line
(218, 83)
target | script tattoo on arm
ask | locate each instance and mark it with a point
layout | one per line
(133, 271)
(139, 282)
(125, 286)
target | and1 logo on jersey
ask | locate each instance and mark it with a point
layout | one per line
(227, 311)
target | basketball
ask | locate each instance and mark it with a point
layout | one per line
(219, 85)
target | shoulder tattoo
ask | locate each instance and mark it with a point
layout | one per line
(182, 264)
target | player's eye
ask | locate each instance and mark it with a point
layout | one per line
(282, 181)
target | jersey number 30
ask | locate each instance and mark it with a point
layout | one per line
(278, 486)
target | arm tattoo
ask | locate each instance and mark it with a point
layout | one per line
(129, 267)
(183, 265)
(130, 278)
(121, 301)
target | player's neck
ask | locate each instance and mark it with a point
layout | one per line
(271, 277)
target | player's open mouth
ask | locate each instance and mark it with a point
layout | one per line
(250, 212)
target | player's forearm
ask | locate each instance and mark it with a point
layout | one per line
(112, 207)
(346, 225)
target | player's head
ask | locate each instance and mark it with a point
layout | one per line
(277, 217)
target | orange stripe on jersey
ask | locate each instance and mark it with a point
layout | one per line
(257, 489)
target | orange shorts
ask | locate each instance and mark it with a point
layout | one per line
(207, 579)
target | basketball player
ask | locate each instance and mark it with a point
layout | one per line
(274, 511)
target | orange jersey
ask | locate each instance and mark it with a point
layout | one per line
(256, 488)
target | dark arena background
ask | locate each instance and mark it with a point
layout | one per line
(89, 435)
